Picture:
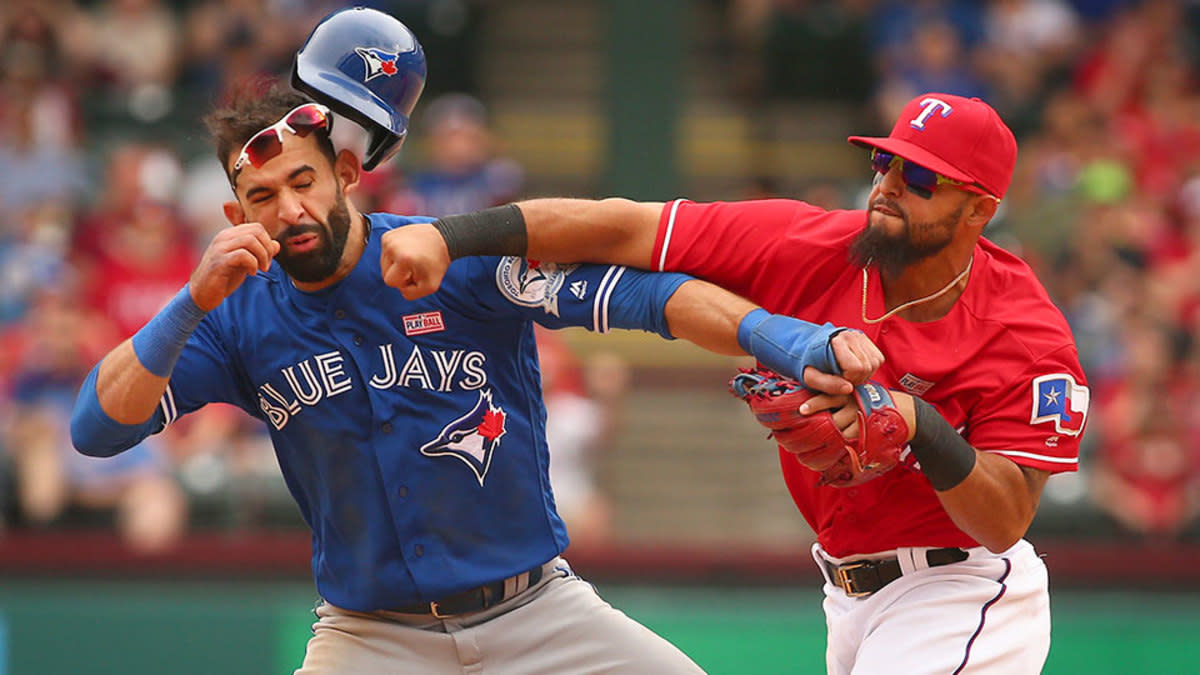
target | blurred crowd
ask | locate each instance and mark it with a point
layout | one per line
(109, 192)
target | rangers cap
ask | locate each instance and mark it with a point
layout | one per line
(963, 139)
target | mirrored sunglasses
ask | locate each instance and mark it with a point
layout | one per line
(268, 143)
(917, 179)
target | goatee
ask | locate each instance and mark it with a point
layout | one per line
(321, 262)
(892, 254)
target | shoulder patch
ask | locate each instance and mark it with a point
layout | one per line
(532, 283)
(1058, 399)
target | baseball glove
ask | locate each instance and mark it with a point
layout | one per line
(815, 439)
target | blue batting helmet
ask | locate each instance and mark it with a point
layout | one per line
(368, 67)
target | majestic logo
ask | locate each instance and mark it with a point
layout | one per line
(532, 283)
(379, 63)
(472, 438)
(929, 106)
(425, 322)
(579, 289)
(1057, 398)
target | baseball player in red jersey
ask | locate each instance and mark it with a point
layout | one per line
(926, 567)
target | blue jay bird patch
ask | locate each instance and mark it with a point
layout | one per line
(1057, 398)
(379, 63)
(532, 283)
(472, 438)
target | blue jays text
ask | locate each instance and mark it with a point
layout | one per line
(410, 433)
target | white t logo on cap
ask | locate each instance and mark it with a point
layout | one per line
(928, 107)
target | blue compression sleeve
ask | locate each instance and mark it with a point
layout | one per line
(640, 300)
(96, 434)
(160, 342)
(787, 345)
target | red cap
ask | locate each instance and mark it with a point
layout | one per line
(960, 138)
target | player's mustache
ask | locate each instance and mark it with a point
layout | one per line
(887, 203)
(297, 230)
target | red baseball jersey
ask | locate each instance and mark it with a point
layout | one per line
(1001, 366)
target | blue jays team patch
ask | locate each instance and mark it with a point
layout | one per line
(532, 283)
(1057, 398)
(379, 63)
(472, 438)
(425, 322)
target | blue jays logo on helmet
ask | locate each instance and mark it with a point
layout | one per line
(472, 438)
(369, 67)
(379, 63)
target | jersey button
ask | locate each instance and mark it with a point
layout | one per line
(419, 550)
(386, 427)
(402, 491)
(339, 314)
(358, 339)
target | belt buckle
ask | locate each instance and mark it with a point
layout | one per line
(842, 579)
(436, 611)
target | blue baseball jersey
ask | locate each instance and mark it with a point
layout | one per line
(411, 433)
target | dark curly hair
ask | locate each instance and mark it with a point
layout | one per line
(249, 111)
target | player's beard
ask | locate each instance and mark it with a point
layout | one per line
(892, 253)
(321, 262)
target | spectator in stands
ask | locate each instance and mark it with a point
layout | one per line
(132, 50)
(1027, 49)
(135, 257)
(937, 60)
(57, 486)
(464, 171)
(1111, 73)
(1175, 255)
(40, 127)
(896, 25)
(37, 73)
(32, 256)
(230, 42)
(812, 51)
(583, 401)
(1147, 473)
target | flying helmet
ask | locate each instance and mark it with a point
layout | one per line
(368, 67)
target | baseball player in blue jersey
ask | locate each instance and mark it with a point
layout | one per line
(410, 433)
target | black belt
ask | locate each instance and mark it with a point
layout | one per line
(475, 599)
(863, 577)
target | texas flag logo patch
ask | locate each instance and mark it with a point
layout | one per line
(379, 63)
(1057, 398)
(472, 438)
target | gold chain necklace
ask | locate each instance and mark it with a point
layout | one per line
(910, 303)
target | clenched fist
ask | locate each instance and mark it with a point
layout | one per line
(233, 254)
(414, 259)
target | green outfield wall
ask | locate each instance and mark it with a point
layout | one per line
(158, 627)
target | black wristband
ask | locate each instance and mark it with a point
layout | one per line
(946, 458)
(499, 230)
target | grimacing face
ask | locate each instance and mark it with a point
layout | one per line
(298, 198)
